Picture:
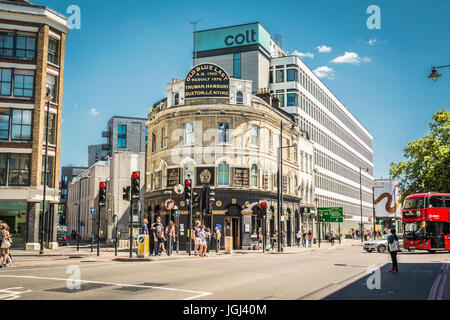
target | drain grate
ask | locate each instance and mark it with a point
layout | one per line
(135, 289)
(83, 287)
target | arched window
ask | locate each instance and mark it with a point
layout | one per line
(224, 174)
(254, 175)
(176, 99)
(239, 97)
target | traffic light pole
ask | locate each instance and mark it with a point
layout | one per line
(98, 229)
(131, 227)
(190, 222)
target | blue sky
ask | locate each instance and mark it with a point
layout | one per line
(126, 52)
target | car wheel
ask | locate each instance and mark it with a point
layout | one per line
(382, 248)
(368, 250)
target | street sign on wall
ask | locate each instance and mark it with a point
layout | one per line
(332, 214)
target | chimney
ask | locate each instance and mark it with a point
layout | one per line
(265, 94)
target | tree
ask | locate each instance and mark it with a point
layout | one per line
(427, 165)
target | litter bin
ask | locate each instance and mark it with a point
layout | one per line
(143, 246)
(229, 245)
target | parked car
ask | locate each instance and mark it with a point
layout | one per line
(62, 235)
(381, 245)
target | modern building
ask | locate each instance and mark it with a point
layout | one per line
(213, 129)
(124, 134)
(83, 190)
(32, 49)
(68, 173)
(343, 150)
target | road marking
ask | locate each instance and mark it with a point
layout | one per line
(12, 293)
(442, 275)
(198, 293)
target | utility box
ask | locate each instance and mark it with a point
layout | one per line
(143, 246)
(228, 245)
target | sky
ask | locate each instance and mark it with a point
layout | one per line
(125, 53)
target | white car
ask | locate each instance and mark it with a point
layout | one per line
(381, 245)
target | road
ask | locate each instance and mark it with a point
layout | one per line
(332, 274)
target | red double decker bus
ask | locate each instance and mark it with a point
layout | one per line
(426, 222)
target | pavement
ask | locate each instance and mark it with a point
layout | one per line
(69, 254)
(343, 272)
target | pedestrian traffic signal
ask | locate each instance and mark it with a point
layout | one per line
(126, 193)
(188, 189)
(135, 185)
(102, 194)
(264, 208)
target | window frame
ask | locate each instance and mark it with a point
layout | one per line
(18, 170)
(122, 137)
(10, 82)
(222, 174)
(21, 124)
(223, 136)
(52, 53)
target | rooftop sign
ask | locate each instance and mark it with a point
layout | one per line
(207, 81)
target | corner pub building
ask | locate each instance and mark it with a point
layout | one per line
(213, 129)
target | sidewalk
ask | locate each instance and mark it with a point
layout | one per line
(69, 254)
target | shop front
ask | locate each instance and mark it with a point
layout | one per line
(14, 214)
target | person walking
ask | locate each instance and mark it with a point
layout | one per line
(332, 238)
(299, 238)
(273, 240)
(310, 238)
(152, 235)
(394, 248)
(260, 238)
(217, 237)
(304, 238)
(6, 245)
(144, 228)
(170, 232)
(198, 239)
(158, 236)
(207, 239)
(203, 240)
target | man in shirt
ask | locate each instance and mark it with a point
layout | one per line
(158, 236)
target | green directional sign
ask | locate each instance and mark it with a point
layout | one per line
(332, 214)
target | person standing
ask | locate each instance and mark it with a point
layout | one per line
(394, 248)
(310, 238)
(203, 241)
(332, 238)
(152, 238)
(217, 237)
(144, 229)
(274, 239)
(170, 232)
(6, 244)
(158, 236)
(304, 238)
(197, 238)
(299, 237)
(260, 238)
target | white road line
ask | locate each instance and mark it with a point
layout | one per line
(12, 293)
(199, 293)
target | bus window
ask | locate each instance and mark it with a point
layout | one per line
(436, 202)
(414, 203)
(447, 202)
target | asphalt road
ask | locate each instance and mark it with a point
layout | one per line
(339, 273)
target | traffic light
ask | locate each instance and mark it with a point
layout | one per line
(264, 208)
(126, 193)
(210, 198)
(188, 189)
(102, 194)
(135, 185)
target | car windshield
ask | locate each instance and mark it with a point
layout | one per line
(414, 231)
(385, 237)
(414, 203)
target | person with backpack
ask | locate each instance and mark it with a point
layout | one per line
(394, 248)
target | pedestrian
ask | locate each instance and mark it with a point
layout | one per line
(394, 248)
(274, 239)
(152, 238)
(170, 232)
(158, 237)
(144, 229)
(208, 239)
(6, 244)
(198, 239)
(304, 238)
(299, 237)
(332, 238)
(203, 237)
(217, 237)
(310, 238)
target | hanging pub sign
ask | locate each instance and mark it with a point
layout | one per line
(205, 176)
(207, 81)
(173, 177)
(241, 177)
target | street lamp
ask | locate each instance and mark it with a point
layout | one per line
(48, 98)
(360, 195)
(436, 75)
(281, 182)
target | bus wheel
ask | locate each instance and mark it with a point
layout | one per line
(382, 248)
(431, 251)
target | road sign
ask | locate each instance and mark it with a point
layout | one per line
(93, 211)
(332, 214)
(179, 189)
(177, 213)
(169, 204)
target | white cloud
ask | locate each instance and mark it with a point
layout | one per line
(324, 48)
(93, 112)
(324, 72)
(373, 41)
(351, 57)
(302, 55)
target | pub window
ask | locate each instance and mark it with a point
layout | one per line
(239, 97)
(223, 174)
(5, 82)
(19, 170)
(53, 49)
(254, 176)
(224, 132)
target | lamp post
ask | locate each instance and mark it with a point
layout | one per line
(194, 23)
(48, 98)
(281, 185)
(360, 195)
(436, 75)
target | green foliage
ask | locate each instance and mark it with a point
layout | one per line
(427, 165)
